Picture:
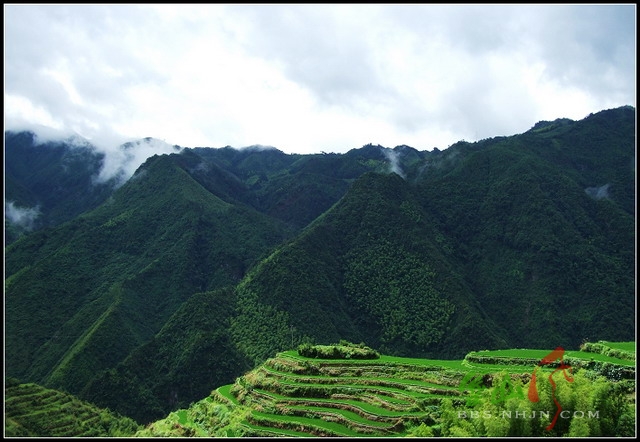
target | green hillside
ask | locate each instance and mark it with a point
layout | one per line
(339, 271)
(82, 296)
(535, 244)
(295, 396)
(55, 179)
(451, 263)
(35, 411)
(192, 352)
(293, 188)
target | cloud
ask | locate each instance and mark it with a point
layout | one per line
(394, 161)
(120, 164)
(21, 216)
(592, 51)
(311, 78)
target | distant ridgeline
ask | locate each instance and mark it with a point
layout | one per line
(143, 296)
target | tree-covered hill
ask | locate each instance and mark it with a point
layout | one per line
(208, 262)
(182, 224)
(535, 241)
(80, 297)
(192, 352)
(505, 247)
(372, 267)
(48, 183)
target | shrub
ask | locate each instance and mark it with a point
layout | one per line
(343, 350)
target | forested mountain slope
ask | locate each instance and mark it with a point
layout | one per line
(545, 250)
(507, 246)
(80, 297)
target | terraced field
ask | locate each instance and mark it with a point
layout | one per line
(382, 397)
(295, 396)
(32, 410)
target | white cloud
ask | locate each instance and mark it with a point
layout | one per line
(122, 163)
(311, 78)
(22, 216)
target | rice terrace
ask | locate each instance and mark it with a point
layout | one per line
(349, 390)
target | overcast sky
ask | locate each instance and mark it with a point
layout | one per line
(312, 78)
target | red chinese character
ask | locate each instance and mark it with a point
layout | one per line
(558, 353)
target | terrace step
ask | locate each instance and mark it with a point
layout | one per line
(316, 427)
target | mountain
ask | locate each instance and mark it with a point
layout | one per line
(191, 352)
(116, 274)
(184, 223)
(374, 268)
(207, 262)
(537, 241)
(49, 183)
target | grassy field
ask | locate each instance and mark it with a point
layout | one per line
(626, 346)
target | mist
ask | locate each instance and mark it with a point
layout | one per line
(122, 156)
(21, 216)
(394, 161)
(598, 192)
(122, 162)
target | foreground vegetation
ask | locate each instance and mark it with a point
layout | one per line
(493, 395)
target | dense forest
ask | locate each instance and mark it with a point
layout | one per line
(143, 296)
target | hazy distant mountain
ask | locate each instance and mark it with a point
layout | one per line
(208, 261)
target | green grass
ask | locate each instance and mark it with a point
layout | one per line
(357, 380)
(384, 359)
(514, 353)
(364, 406)
(270, 431)
(354, 388)
(346, 414)
(225, 391)
(182, 417)
(358, 402)
(539, 354)
(626, 346)
(461, 366)
(600, 357)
